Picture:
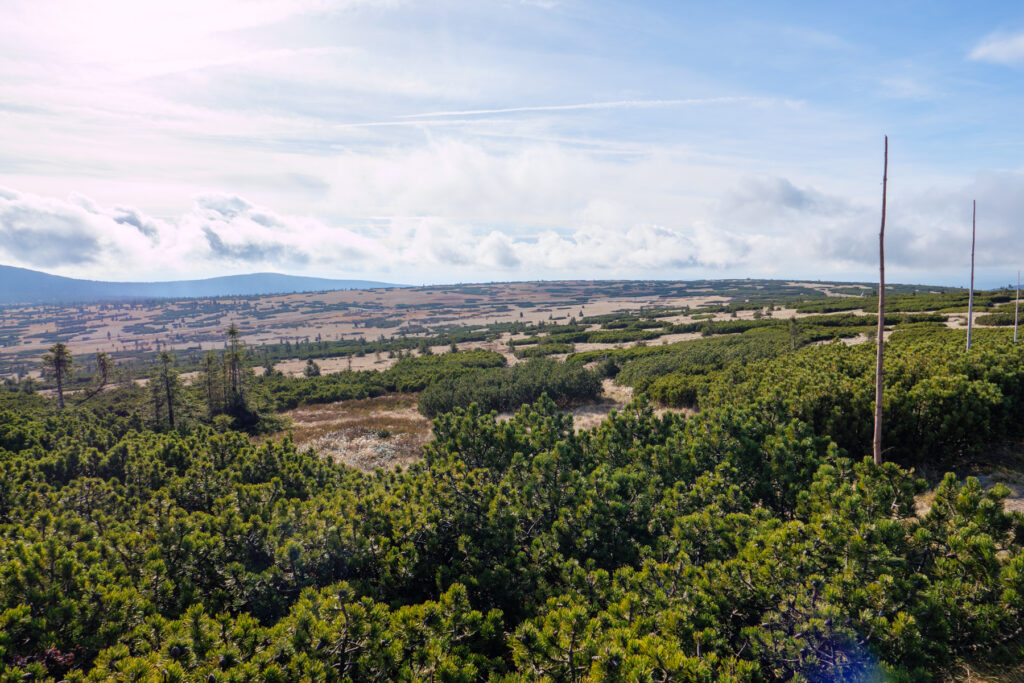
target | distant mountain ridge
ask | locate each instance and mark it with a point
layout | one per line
(21, 285)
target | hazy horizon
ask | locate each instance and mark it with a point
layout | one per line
(889, 282)
(509, 141)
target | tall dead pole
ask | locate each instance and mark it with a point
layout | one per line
(970, 297)
(1016, 309)
(877, 450)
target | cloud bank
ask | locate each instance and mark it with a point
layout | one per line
(762, 226)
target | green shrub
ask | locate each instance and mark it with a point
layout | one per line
(505, 389)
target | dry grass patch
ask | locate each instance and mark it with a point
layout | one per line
(366, 434)
(590, 415)
(616, 397)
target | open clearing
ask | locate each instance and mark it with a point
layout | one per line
(388, 431)
(366, 434)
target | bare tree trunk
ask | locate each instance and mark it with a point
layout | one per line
(970, 297)
(880, 342)
(1016, 309)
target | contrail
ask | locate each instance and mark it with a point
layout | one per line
(446, 118)
(386, 124)
(614, 104)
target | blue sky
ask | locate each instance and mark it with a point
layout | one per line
(510, 139)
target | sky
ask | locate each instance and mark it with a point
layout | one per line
(498, 140)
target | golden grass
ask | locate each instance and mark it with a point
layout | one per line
(366, 434)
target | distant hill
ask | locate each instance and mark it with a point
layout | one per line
(20, 285)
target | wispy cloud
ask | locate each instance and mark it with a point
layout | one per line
(1000, 48)
(543, 4)
(614, 104)
(906, 88)
(469, 116)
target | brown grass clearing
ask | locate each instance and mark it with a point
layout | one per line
(296, 367)
(957, 320)
(849, 341)
(614, 397)
(827, 289)
(386, 431)
(590, 415)
(366, 434)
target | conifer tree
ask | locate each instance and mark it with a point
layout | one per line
(166, 389)
(57, 364)
(233, 367)
(213, 386)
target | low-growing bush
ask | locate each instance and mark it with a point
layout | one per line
(505, 389)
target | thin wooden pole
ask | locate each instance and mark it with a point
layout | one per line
(1016, 309)
(970, 297)
(877, 446)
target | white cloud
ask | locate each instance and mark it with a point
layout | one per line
(229, 233)
(44, 232)
(498, 251)
(77, 236)
(766, 225)
(1000, 48)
